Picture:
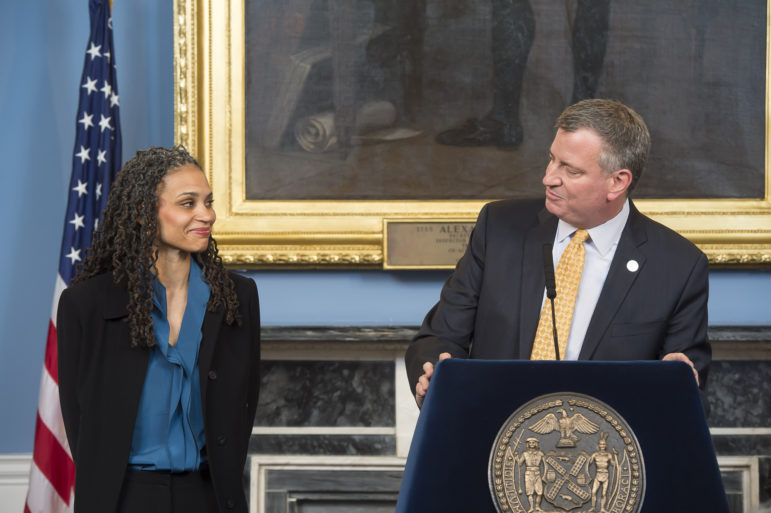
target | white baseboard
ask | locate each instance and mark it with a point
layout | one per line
(14, 478)
(14, 474)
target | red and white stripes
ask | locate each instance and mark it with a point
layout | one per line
(52, 476)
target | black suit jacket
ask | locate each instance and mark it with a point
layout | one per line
(100, 384)
(490, 306)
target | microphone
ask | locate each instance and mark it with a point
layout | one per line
(551, 292)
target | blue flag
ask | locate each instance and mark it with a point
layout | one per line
(97, 153)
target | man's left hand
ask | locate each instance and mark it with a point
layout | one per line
(681, 357)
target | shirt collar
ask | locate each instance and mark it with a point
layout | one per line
(604, 236)
(188, 340)
(198, 289)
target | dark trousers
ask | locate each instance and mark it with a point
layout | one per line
(164, 492)
(513, 30)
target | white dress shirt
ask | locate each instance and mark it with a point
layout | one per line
(600, 248)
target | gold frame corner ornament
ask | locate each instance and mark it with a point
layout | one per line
(209, 119)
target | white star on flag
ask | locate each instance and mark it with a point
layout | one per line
(83, 154)
(82, 188)
(114, 100)
(96, 223)
(104, 122)
(93, 51)
(98, 191)
(90, 85)
(87, 120)
(78, 221)
(74, 255)
(100, 159)
(107, 54)
(107, 90)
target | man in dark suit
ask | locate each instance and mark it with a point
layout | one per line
(643, 287)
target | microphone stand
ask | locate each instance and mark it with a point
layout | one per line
(551, 292)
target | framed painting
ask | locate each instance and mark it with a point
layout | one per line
(322, 123)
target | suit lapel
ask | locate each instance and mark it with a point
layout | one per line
(212, 322)
(533, 280)
(116, 300)
(617, 283)
(128, 366)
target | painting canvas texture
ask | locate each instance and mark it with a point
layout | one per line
(422, 99)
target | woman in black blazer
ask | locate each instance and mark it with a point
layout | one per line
(158, 351)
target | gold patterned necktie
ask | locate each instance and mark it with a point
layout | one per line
(568, 277)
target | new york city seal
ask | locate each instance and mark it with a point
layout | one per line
(566, 452)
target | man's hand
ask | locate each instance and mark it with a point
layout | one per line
(421, 387)
(678, 357)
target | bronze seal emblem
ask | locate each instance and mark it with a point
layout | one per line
(566, 452)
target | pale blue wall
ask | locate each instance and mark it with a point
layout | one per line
(42, 46)
(375, 298)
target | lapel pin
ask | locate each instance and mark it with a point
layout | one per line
(632, 266)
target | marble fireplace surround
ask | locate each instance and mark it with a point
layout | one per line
(336, 417)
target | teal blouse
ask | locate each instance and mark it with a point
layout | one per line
(169, 431)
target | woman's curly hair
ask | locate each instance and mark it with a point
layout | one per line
(125, 242)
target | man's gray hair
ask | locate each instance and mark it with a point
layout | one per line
(626, 137)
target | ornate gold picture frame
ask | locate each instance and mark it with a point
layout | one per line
(210, 120)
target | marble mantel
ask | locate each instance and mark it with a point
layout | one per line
(336, 416)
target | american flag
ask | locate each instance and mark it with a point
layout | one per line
(96, 159)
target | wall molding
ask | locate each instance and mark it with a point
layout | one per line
(14, 469)
(14, 480)
(363, 342)
(748, 467)
(260, 465)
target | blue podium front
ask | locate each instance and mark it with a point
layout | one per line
(470, 402)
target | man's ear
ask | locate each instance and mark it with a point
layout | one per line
(619, 183)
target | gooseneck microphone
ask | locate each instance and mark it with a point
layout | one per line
(551, 292)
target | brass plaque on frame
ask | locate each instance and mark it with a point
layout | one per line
(425, 244)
